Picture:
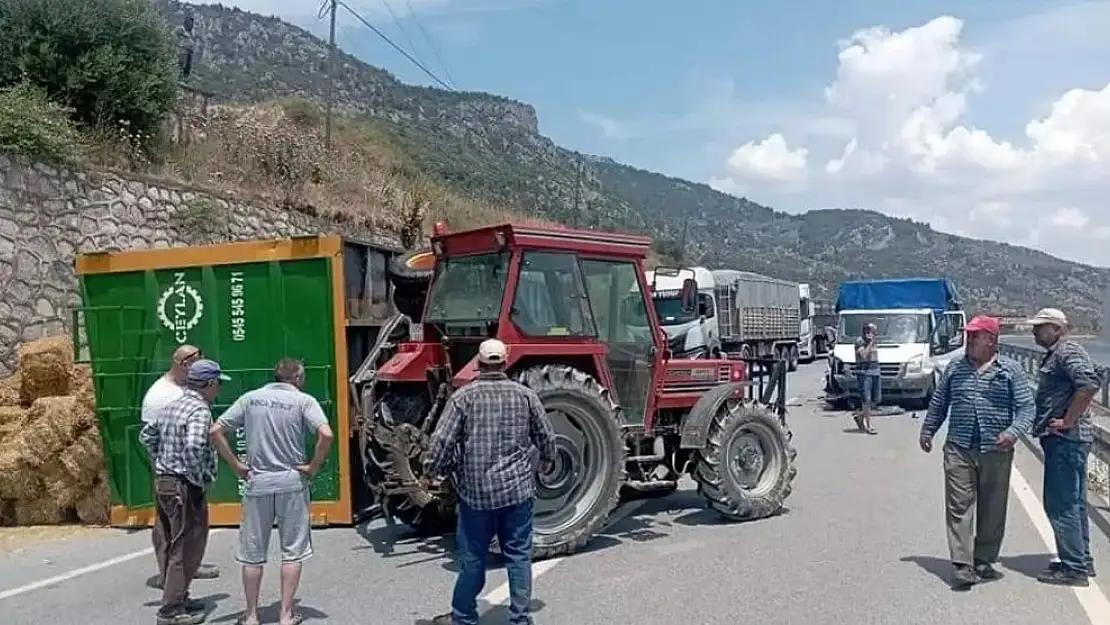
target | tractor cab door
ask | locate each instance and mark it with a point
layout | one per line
(619, 306)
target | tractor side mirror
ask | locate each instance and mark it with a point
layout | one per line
(689, 296)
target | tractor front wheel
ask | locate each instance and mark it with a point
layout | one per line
(746, 470)
(575, 497)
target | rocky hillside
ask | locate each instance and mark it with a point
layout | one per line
(488, 147)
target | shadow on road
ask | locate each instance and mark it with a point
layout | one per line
(272, 613)
(403, 542)
(939, 568)
(492, 615)
(1030, 564)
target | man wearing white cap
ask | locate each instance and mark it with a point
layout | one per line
(485, 438)
(1066, 384)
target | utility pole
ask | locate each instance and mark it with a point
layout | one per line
(331, 77)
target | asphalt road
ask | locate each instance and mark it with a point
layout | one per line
(862, 542)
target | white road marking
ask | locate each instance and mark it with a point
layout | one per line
(85, 570)
(1093, 600)
(500, 595)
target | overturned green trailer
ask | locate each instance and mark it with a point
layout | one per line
(247, 304)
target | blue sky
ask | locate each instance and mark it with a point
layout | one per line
(679, 90)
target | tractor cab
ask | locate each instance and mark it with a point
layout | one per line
(574, 310)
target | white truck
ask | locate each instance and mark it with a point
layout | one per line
(818, 326)
(740, 314)
(920, 329)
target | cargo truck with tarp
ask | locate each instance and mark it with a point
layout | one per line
(247, 305)
(919, 323)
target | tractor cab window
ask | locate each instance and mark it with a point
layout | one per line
(550, 298)
(468, 290)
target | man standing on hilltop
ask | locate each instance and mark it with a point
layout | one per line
(168, 387)
(186, 44)
(1066, 384)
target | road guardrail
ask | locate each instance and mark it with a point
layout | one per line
(1099, 467)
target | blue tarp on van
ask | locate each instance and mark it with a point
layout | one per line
(936, 293)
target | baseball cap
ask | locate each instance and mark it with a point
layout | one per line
(983, 323)
(204, 371)
(492, 352)
(1055, 316)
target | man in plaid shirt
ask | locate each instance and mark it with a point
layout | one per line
(486, 437)
(184, 466)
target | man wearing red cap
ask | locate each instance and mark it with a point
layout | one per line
(988, 402)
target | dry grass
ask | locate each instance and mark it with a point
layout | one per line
(273, 153)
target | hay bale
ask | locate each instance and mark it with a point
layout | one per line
(45, 368)
(81, 386)
(93, 509)
(41, 511)
(9, 391)
(12, 422)
(54, 424)
(18, 480)
(83, 461)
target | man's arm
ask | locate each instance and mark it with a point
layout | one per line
(539, 427)
(938, 405)
(316, 421)
(195, 445)
(1021, 396)
(150, 436)
(441, 448)
(232, 419)
(1081, 371)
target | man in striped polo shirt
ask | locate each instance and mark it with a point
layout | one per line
(988, 402)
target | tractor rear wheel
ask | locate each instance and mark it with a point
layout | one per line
(746, 470)
(380, 465)
(410, 274)
(574, 499)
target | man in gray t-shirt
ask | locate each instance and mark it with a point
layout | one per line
(275, 419)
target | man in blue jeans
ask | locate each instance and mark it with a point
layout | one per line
(867, 375)
(1067, 382)
(486, 438)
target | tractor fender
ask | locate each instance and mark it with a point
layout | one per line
(695, 427)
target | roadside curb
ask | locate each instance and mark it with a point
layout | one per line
(1095, 510)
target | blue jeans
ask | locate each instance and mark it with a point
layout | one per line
(1065, 500)
(512, 525)
(870, 389)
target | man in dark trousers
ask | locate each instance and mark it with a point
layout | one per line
(184, 467)
(485, 438)
(1066, 384)
(987, 402)
(867, 376)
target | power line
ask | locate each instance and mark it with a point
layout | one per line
(396, 47)
(431, 46)
(400, 27)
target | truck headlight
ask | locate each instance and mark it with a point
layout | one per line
(918, 364)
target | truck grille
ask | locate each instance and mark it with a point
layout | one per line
(886, 370)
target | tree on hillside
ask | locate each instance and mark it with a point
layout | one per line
(111, 62)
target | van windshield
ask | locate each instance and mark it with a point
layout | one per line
(891, 328)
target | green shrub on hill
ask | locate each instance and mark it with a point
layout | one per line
(32, 125)
(110, 62)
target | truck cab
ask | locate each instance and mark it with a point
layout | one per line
(694, 335)
(919, 330)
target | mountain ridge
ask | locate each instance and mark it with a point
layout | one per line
(489, 147)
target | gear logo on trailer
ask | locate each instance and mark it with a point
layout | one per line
(180, 308)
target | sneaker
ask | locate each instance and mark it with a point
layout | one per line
(986, 572)
(443, 619)
(1059, 576)
(963, 578)
(1056, 564)
(193, 605)
(180, 616)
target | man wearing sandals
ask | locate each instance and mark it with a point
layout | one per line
(275, 420)
(867, 375)
(988, 402)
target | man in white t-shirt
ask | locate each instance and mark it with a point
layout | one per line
(165, 389)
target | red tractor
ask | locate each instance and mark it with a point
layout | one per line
(574, 308)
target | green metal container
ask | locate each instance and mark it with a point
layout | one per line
(246, 305)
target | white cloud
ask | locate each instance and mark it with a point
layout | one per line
(908, 97)
(770, 161)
